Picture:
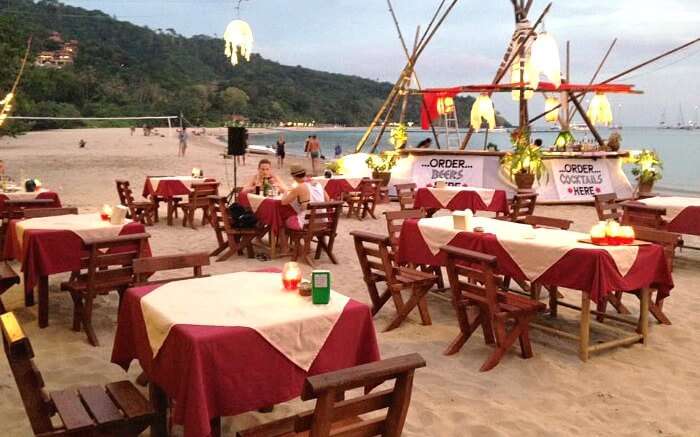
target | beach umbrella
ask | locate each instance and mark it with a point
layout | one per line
(238, 36)
(551, 108)
(482, 108)
(599, 111)
(545, 57)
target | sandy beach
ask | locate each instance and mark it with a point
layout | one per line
(631, 391)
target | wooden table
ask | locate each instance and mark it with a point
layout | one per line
(682, 213)
(44, 252)
(461, 198)
(338, 186)
(587, 268)
(170, 189)
(270, 212)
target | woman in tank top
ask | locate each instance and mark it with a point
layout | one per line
(300, 195)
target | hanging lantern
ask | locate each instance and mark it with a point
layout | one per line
(551, 109)
(599, 111)
(483, 109)
(238, 36)
(545, 57)
(530, 78)
(6, 107)
(445, 105)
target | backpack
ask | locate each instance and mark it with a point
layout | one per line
(30, 186)
(241, 217)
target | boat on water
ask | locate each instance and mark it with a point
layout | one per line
(261, 150)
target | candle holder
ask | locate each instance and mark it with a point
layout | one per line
(106, 212)
(291, 276)
(612, 231)
(627, 235)
(599, 234)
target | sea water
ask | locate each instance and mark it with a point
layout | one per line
(679, 149)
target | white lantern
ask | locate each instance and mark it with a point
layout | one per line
(599, 110)
(445, 105)
(545, 57)
(238, 35)
(530, 78)
(483, 109)
(551, 109)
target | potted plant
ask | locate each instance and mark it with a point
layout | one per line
(524, 163)
(381, 166)
(647, 170)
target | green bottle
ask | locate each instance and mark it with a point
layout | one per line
(267, 187)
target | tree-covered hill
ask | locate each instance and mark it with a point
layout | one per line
(126, 70)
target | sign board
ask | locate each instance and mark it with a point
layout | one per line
(455, 169)
(580, 180)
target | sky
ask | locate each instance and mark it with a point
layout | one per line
(358, 37)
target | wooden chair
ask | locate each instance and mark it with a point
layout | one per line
(198, 199)
(335, 416)
(377, 266)
(49, 212)
(8, 278)
(171, 203)
(145, 267)
(670, 241)
(538, 221)
(143, 212)
(117, 409)
(607, 207)
(15, 208)
(640, 215)
(321, 226)
(108, 266)
(364, 200)
(522, 205)
(475, 287)
(406, 194)
(234, 239)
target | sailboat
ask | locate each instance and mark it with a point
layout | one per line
(662, 123)
(681, 120)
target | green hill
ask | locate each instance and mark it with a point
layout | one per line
(128, 70)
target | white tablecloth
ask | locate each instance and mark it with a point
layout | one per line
(674, 205)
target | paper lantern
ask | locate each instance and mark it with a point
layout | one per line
(545, 57)
(551, 108)
(530, 78)
(445, 105)
(238, 36)
(482, 109)
(599, 111)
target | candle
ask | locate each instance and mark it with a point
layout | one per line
(599, 234)
(291, 276)
(627, 234)
(612, 231)
(106, 212)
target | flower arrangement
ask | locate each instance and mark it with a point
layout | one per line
(398, 137)
(524, 163)
(383, 163)
(647, 169)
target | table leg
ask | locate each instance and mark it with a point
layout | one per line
(283, 241)
(643, 325)
(585, 328)
(43, 301)
(160, 404)
(170, 212)
(28, 292)
(273, 244)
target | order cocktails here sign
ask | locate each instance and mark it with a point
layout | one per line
(457, 170)
(581, 180)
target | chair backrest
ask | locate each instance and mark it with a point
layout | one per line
(323, 217)
(15, 208)
(30, 383)
(201, 191)
(406, 194)
(374, 256)
(369, 189)
(523, 205)
(472, 278)
(547, 222)
(639, 214)
(126, 196)
(668, 240)
(144, 267)
(220, 218)
(109, 261)
(49, 212)
(394, 223)
(607, 207)
(329, 388)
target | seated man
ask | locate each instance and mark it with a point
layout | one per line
(264, 172)
(302, 193)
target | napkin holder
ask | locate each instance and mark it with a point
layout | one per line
(440, 183)
(462, 220)
(320, 287)
(118, 215)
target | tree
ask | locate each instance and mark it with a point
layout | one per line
(233, 101)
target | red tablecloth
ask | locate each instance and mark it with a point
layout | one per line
(687, 222)
(465, 199)
(167, 188)
(337, 187)
(591, 270)
(271, 212)
(47, 252)
(43, 195)
(214, 371)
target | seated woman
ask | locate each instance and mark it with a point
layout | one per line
(300, 195)
(264, 172)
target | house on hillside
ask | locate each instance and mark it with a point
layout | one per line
(64, 55)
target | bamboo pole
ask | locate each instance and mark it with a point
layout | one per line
(597, 71)
(587, 120)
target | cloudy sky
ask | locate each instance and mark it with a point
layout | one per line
(358, 37)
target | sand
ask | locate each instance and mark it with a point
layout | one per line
(632, 391)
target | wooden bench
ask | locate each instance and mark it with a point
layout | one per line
(8, 278)
(639, 214)
(117, 409)
(49, 212)
(145, 267)
(336, 416)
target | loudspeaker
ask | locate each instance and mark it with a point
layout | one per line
(237, 140)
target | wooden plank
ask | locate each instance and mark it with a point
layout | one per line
(350, 408)
(71, 410)
(100, 405)
(367, 428)
(129, 399)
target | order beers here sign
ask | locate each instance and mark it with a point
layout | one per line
(581, 180)
(457, 170)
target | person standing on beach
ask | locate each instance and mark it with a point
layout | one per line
(306, 145)
(338, 151)
(314, 153)
(280, 152)
(182, 137)
(132, 129)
